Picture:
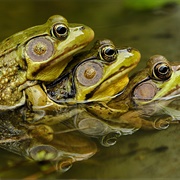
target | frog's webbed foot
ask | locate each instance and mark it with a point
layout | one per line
(110, 139)
(64, 165)
(157, 123)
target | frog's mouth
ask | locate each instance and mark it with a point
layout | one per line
(175, 93)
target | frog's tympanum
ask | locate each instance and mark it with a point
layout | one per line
(37, 54)
(143, 104)
(96, 75)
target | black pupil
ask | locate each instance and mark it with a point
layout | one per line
(61, 30)
(163, 69)
(109, 52)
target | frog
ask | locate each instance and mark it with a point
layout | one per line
(158, 88)
(39, 53)
(143, 104)
(93, 75)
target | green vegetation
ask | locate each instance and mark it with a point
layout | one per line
(147, 4)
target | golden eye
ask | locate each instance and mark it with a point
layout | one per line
(39, 49)
(159, 68)
(60, 31)
(162, 71)
(108, 53)
(89, 73)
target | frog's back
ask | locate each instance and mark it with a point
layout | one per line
(11, 43)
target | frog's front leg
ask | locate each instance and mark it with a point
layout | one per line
(144, 121)
(42, 110)
(156, 123)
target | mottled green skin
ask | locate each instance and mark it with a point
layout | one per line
(114, 78)
(12, 75)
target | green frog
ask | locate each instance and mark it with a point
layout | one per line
(143, 104)
(39, 53)
(94, 75)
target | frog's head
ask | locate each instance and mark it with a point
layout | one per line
(99, 75)
(44, 51)
(162, 81)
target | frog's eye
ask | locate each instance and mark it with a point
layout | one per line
(60, 31)
(39, 49)
(108, 53)
(162, 71)
(89, 73)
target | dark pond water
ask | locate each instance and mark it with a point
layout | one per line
(141, 155)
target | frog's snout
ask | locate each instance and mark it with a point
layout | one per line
(178, 68)
(129, 49)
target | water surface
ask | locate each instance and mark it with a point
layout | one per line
(141, 155)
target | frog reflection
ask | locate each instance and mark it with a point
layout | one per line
(143, 104)
(44, 143)
(39, 53)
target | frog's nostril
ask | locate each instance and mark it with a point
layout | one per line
(178, 68)
(81, 28)
(129, 49)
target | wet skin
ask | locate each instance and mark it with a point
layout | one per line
(95, 75)
(143, 104)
